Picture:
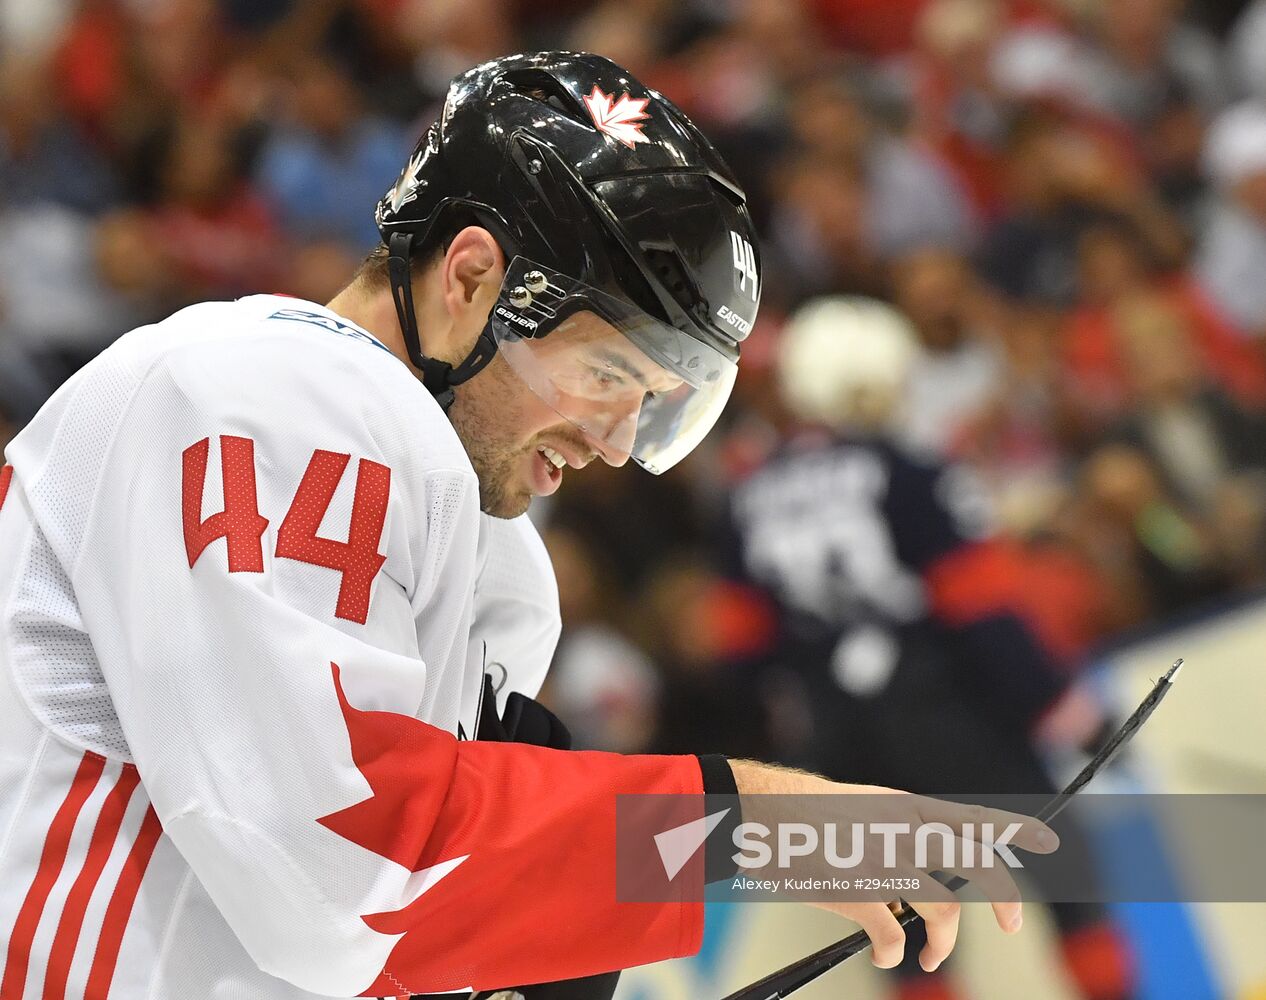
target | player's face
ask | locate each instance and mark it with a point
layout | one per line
(510, 416)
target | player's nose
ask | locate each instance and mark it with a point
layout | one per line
(615, 446)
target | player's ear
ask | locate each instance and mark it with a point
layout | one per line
(473, 268)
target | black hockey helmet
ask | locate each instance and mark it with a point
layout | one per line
(607, 201)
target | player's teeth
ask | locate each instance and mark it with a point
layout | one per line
(555, 458)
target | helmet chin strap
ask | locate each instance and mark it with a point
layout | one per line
(438, 376)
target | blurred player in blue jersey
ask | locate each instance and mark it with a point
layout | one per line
(897, 606)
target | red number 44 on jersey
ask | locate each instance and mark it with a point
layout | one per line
(242, 526)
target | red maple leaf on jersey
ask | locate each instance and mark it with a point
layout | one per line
(392, 751)
(620, 119)
(523, 832)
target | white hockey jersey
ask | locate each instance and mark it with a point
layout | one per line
(247, 602)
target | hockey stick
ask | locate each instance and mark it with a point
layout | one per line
(786, 981)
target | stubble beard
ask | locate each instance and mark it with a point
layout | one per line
(487, 422)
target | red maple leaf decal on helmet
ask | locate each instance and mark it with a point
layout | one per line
(620, 119)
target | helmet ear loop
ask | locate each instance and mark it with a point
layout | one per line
(436, 374)
(483, 352)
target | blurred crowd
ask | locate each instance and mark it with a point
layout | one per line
(1065, 198)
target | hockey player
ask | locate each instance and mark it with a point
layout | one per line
(898, 606)
(251, 606)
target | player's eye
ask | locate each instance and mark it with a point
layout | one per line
(604, 378)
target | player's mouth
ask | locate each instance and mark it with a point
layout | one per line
(547, 470)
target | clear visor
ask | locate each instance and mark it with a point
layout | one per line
(634, 386)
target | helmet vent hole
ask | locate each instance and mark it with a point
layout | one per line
(544, 89)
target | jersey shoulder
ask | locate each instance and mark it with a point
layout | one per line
(296, 366)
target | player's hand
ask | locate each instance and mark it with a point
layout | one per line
(780, 791)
